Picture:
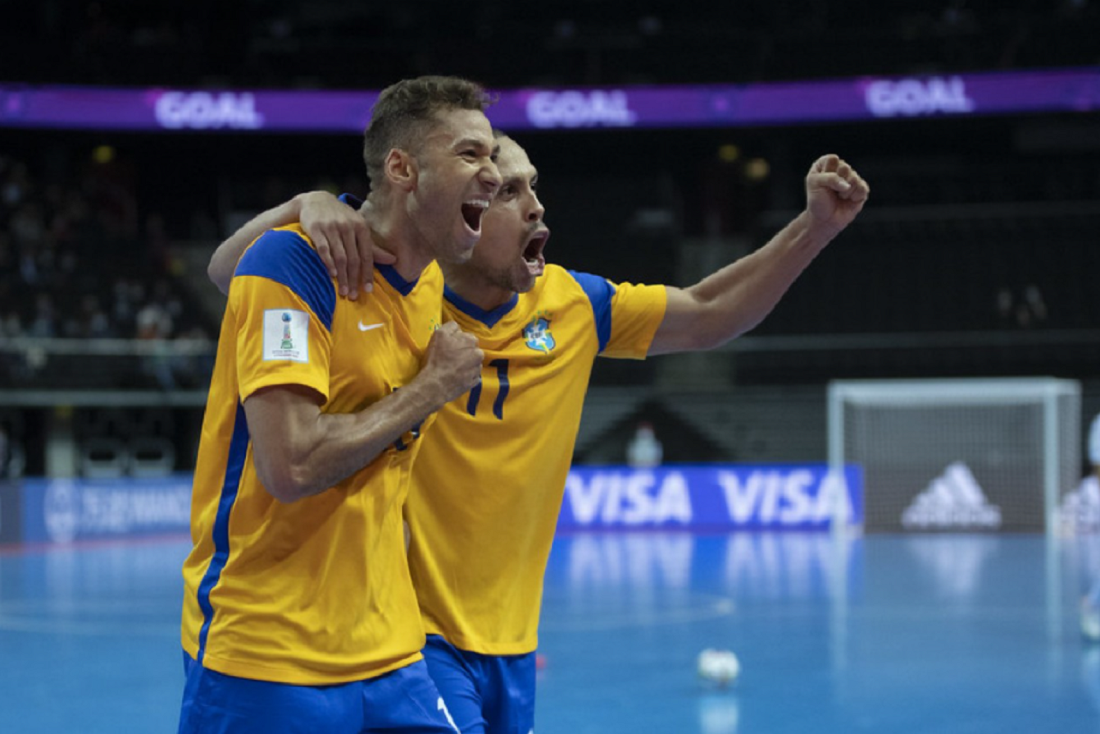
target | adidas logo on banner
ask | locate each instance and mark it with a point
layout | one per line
(952, 500)
(1080, 510)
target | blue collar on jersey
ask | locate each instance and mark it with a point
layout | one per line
(402, 286)
(489, 318)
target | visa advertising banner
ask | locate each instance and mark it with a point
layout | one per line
(721, 497)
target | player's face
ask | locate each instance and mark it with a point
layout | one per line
(509, 256)
(456, 180)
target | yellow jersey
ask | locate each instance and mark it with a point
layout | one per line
(316, 591)
(488, 484)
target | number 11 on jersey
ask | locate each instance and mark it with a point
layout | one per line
(502, 392)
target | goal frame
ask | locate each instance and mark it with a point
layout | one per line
(977, 391)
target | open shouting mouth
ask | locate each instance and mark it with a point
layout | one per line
(532, 252)
(472, 212)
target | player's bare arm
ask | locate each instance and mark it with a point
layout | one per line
(736, 298)
(338, 231)
(300, 451)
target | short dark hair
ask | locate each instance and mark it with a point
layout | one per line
(404, 109)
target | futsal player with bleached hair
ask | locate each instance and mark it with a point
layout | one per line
(299, 614)
(489, 482)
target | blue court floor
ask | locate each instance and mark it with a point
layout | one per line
(944, 634)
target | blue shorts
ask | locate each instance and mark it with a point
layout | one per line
(486, 694)
(404, 700)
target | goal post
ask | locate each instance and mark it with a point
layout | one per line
(965, 455)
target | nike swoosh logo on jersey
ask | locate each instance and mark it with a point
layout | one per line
(364, 327)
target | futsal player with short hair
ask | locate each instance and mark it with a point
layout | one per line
(299, 614)
(489, 483)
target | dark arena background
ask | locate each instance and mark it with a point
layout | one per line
(880, 499)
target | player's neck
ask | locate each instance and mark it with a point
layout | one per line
(470, 288)
(394, 234)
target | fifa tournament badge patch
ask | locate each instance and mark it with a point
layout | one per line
(286, 335)
(537, 334)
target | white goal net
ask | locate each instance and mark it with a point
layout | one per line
(959, 455)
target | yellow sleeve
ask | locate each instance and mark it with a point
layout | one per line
(282, 302)
(636, 313)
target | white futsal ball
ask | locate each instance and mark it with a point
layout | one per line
(720, 667)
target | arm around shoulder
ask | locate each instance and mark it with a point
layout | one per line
(338, 232)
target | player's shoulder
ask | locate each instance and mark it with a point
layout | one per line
(588, 286)
(560, 278)
(556, 287)
(280, 240)
(290, 232)
(285, 255)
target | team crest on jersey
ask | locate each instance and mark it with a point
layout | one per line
(537, 334)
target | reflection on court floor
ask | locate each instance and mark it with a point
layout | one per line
(932, 633)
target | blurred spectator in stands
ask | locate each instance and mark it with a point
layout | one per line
(644, 449)
(15, 184)
(93, 322)
(193, 370)
(1031, 309)
(44, 321)
(11, 326)
(1025, 310)
(1035, 305)
(27, 224)
(128, 295)
(153, 322)
(167, 300)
